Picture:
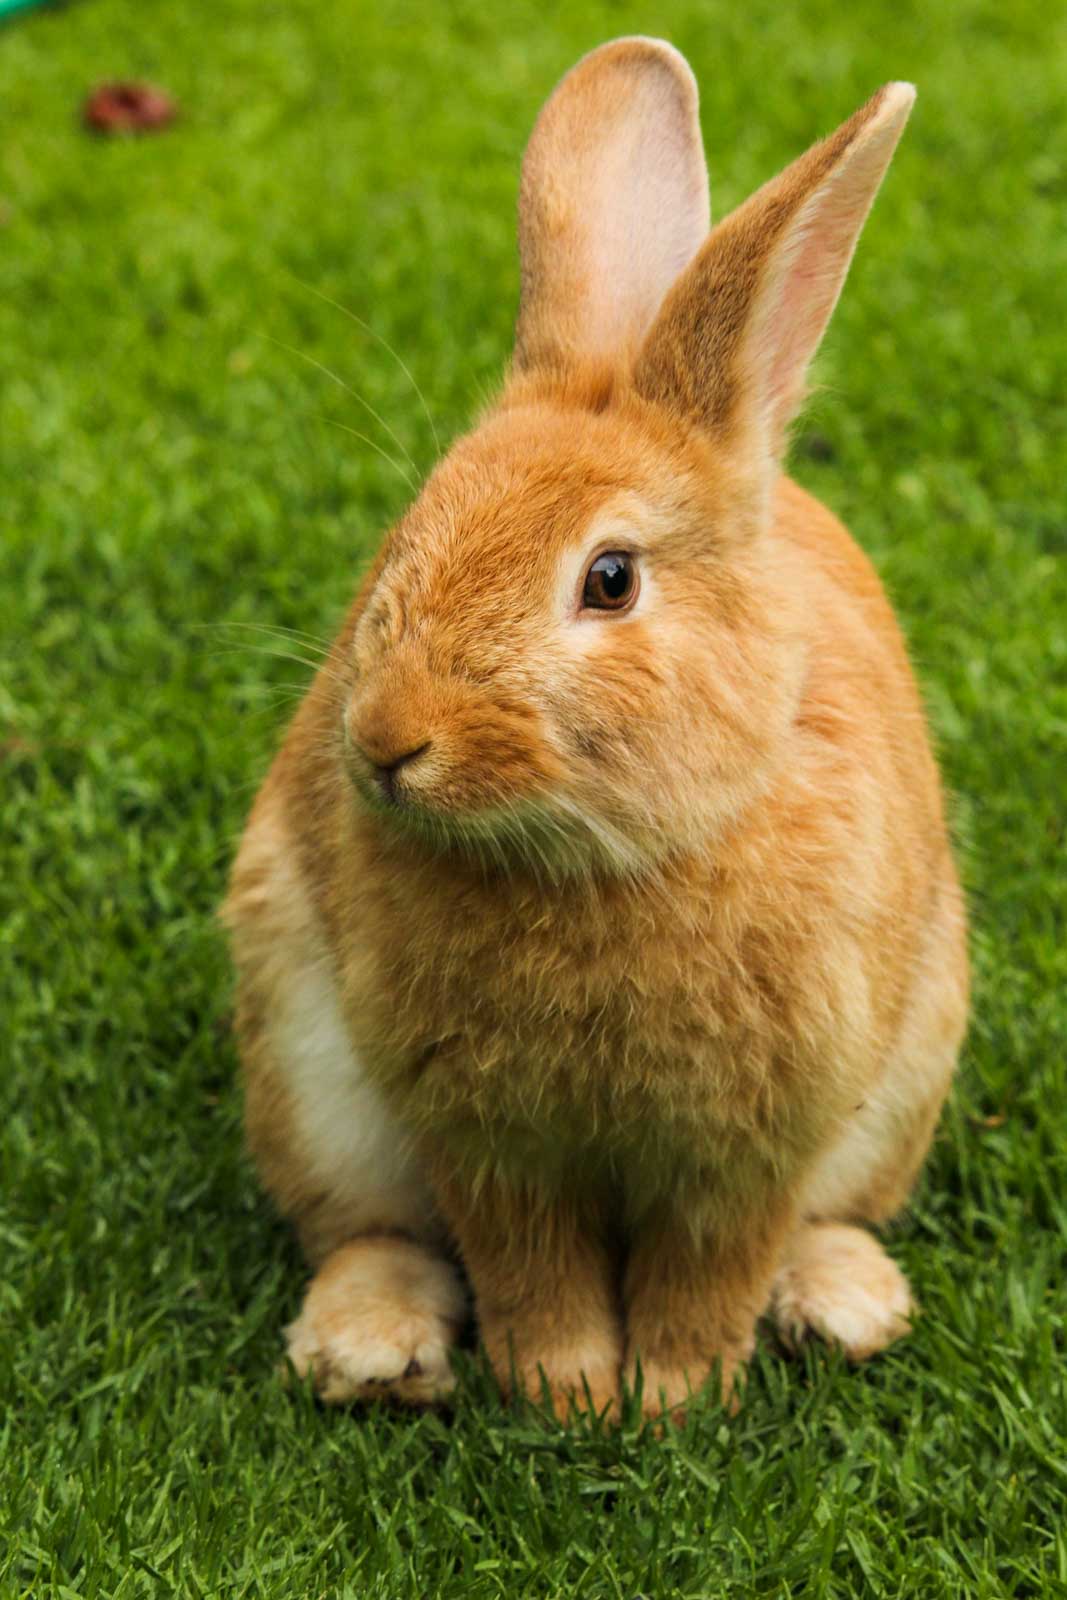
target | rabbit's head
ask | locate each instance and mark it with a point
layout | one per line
(579, 646)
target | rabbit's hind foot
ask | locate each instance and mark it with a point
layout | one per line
(837, 1281)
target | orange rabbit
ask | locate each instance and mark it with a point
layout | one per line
(597, 924)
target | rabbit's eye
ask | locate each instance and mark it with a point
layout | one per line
(610, 583)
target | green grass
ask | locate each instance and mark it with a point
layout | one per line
(166, 472)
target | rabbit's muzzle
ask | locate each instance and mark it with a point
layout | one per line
(442, 746)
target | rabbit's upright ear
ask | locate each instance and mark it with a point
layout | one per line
(732, 343)
(613, 204)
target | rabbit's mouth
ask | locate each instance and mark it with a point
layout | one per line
(547, 839)
(461, 766)
(547, 833)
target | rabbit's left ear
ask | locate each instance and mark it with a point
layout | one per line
(613, 204)
(731, 345)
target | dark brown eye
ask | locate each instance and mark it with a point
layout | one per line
(610, 583)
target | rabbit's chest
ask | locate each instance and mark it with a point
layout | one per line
(555, 1038)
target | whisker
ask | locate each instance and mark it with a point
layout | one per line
(307, 641)
(276, 693)
(617, 848)
(319, 668)
(268, 627)
(262, 650)
(341, 384)
(310, 288)
(374, 446)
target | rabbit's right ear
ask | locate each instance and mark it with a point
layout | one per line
(613, 204)
(732, 344)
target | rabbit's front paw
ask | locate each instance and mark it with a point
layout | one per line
(667, 1389)
(378, 1321)
(574, 1391)
(568, 1380)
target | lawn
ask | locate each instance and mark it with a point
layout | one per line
(179, 467)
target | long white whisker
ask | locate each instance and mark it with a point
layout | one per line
(271, 697)
(616, 847)
(309, 640)
(310, 289)
(280, 636)
(341, 384)
(317, 667)
(374, 446)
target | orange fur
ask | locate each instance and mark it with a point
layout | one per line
(650, 947)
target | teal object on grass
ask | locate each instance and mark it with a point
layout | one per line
(8, 6)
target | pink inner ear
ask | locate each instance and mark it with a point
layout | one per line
(613, 204)
(643, 240)
(805, 284)
(732, 341)
(808, 267)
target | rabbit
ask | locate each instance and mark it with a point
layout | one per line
(598, 940)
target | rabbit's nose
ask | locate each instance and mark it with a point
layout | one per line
(385, 743)
(385, 771)
(389, 723)
(384, 754)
